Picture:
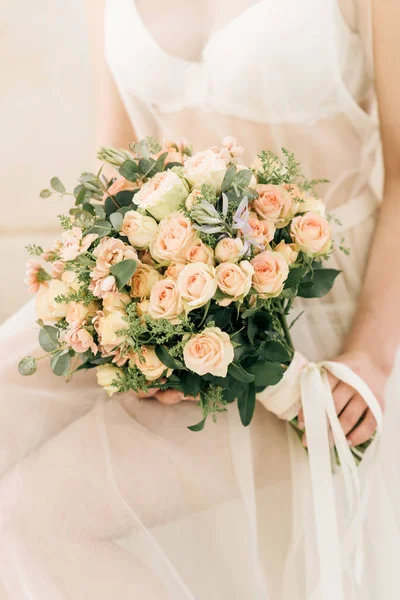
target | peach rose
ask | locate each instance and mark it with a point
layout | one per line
(229, 249)
(174, 238)
(274, 203)
(262, 231)
(199, 252)
(116, 301)
(143, 280)
(165, 301)
(174, 269)
(162, 194)
(121, 185)
(47, 308)
(234, 281)
(75, 244)
(209, 352)
(196, 285)
(77, 313)
(311, 234)
(270, 273)
(206, 167)
(148, 363)
(194, 197)
(108, 328)
(287, 251)
(139, 229)
(107, 375)
(80, 340)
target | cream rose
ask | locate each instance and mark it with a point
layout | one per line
(107, 375)
(143, 280)
(148, 363)
(165, 301)
(270, 273)
(209, 352)
(77, 313)
(174, 238)
(163, 194)
(174, 269)
(234, 281)
(143, 307)
(47, 308)
(206, 167)
(311, 233)
(275, 204)
(229, 249)
(193, 198)
(312, 204)
(199, 252)
(108, 327)
(196, 285)
(139, 229)
(116, 301)
(80, 340)
(287, 251)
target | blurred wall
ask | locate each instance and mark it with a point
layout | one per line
(46, 126)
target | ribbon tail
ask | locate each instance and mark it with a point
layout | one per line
(313, 391)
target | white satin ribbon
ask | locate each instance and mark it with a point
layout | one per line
(306, 384)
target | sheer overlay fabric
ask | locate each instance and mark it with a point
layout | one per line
(115, 498)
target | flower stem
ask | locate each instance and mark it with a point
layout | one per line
(286, 331)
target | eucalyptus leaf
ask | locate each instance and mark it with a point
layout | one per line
(101, 228)
(243, 178)
(27, 366)
(60, 364)
(48, 338)
(84, 219)
(81, 195)
(171, 165)
(319, 284)
(130, 170)
(228, 178)
(45, 193)
(99, 210)
(123, 272)
(147, 166)
(116, 220)
(160, 161)
(57, 185)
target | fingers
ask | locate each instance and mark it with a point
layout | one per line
(364, 431)
(352, 413)
(169, 397)
(333, 382)
(342, 394)
(149, 394)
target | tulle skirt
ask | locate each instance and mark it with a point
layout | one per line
(115, 498)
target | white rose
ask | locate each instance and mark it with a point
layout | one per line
(106, 375)
(139, 229)
(116, 301)
(314, 205)
(47, 308)
(206, 167)
(196, 285)
(209, 352)
(109, 325)
(77, 313)
(162, 194)
(229, 249)
(148, 363)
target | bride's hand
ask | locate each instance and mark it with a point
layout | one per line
(168, 397)
(350, 406)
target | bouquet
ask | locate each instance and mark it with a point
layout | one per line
(180, 272)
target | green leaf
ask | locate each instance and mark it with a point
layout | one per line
(82, 218)
(169, 361)
(116, 220)
(102, 228)
(243, 178)
(27, 366)
(240, 374)
(130, 170)
(229, 177)
(99, 210)
(124, 198)
(252, 330)
(160, 162)
(267, 373)
(275, 352)
(199, 426)
(45, 193)
(171, 165)
(320, 283)
(247, 404)
(48, 338)
(60, 364)
(191, 383)
(295, 277)
(57, 185)
(123, 272)
(147, 166)
(81, 195)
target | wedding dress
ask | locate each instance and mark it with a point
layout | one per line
(115, 498)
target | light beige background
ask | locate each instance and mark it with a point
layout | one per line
(46, 126)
